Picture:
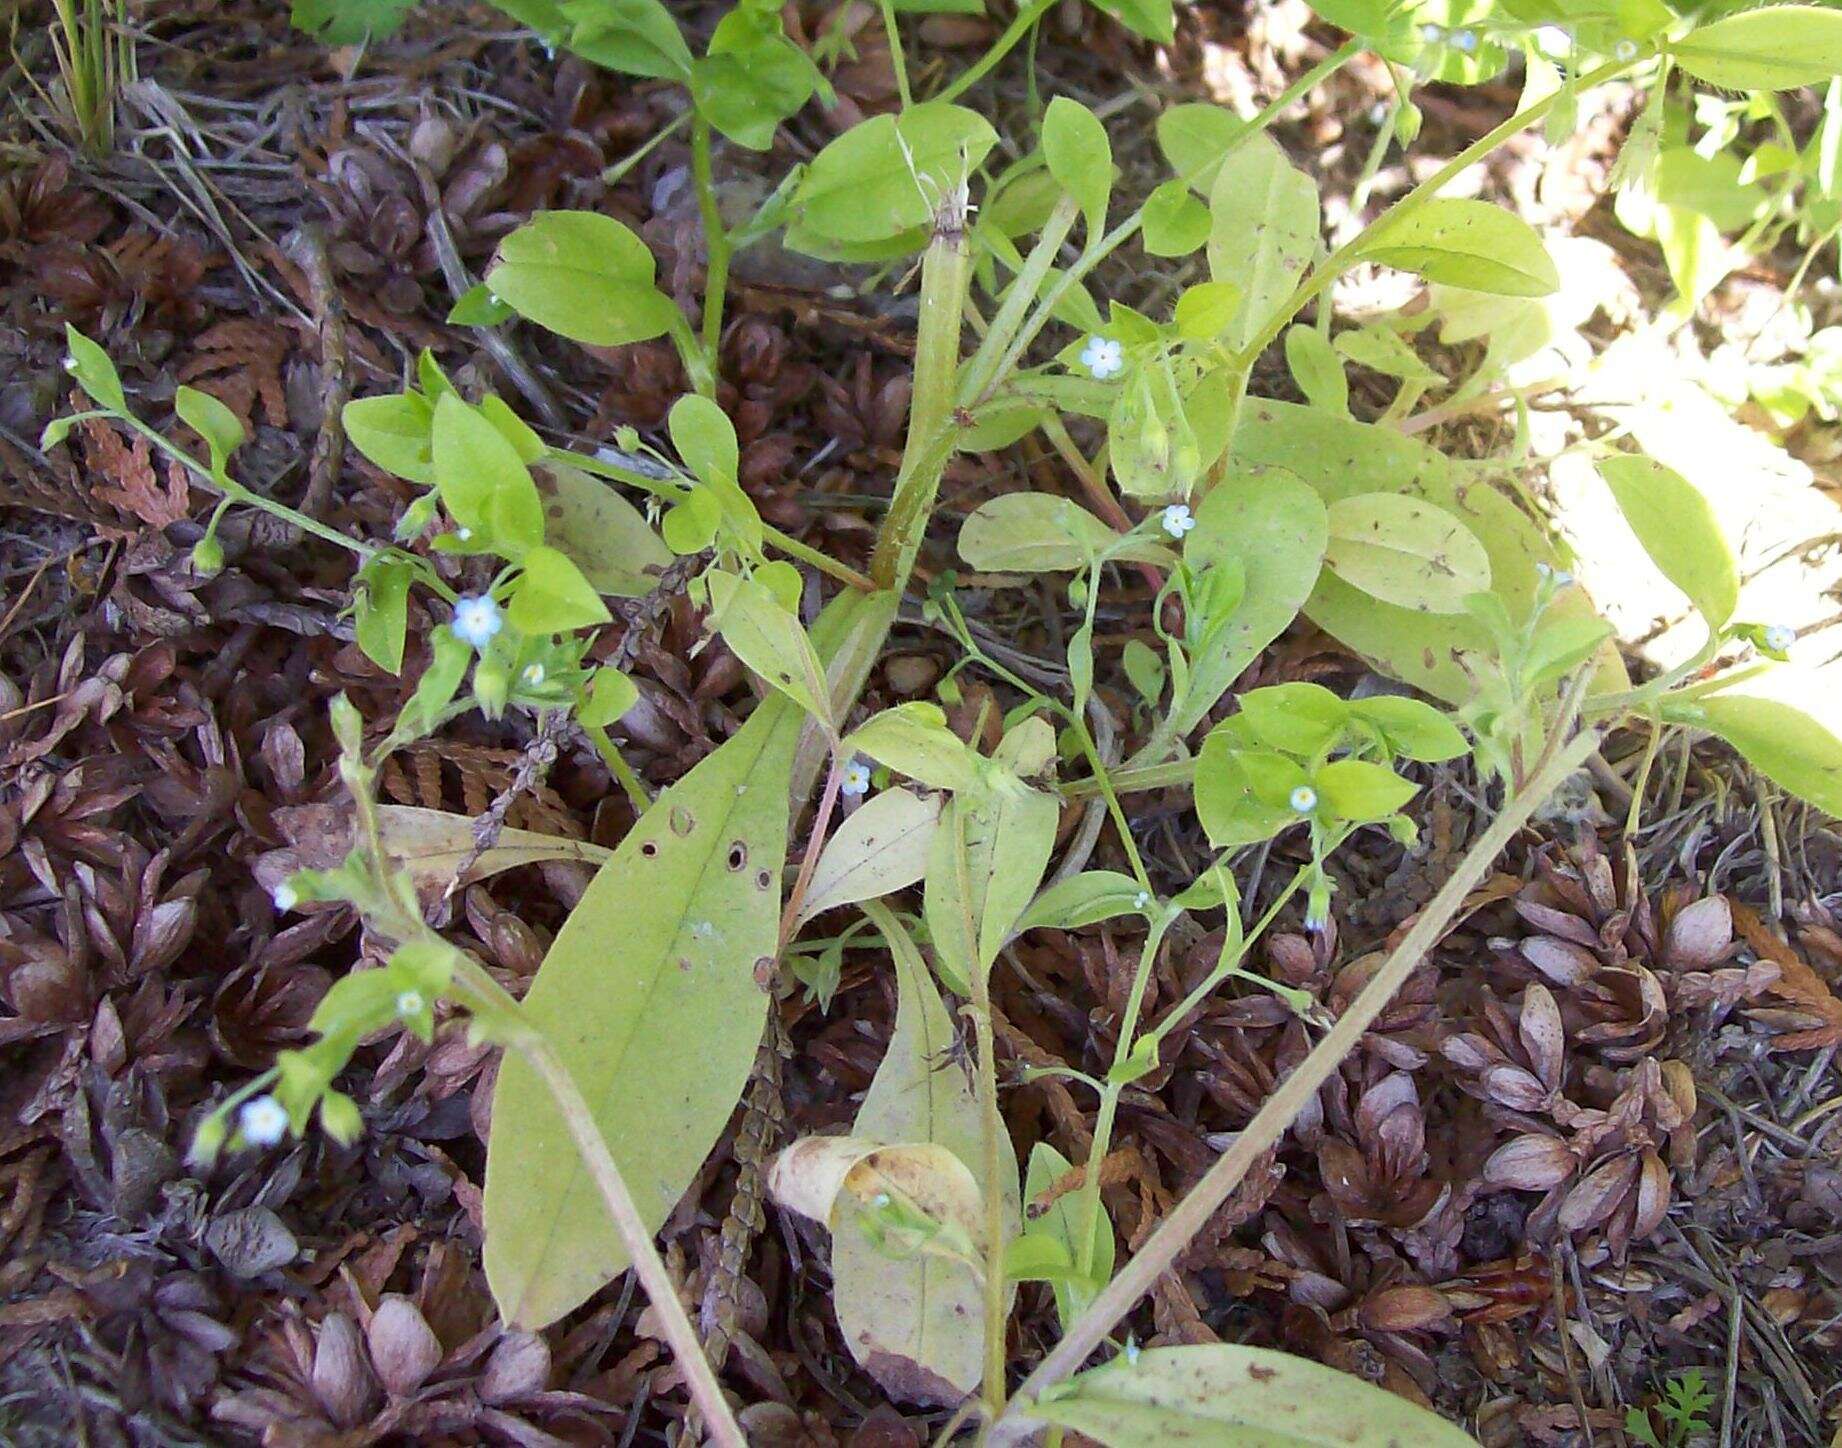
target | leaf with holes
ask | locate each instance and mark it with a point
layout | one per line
(1406, 552)
(654, 995)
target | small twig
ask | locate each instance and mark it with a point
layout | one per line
(308, 250)
(1574, 1390)
(454, 272)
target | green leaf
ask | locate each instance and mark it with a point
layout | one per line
(1780, 47)
(1084, 899)
(382, 610)
(212, 421)
(882, 179)
(1272, 528)
(1060, 1223)
(1355, 789)
(1241, 794)
(1080, 157)
(94, 372)
(1223, 1395)
(1194, 138)
(1406, 552)
(552, 596)
(913, 1321)
(484, 484)
(881, 848)
(1317, 369)
(705, 438)
(650, 995)
(1297, 718)
(1154, 19)
(583, 276)
(1381, 349)
(1263, 230)
(1472, 244)
(635, 37)
(349, 22)
(1041, 533)
(1676, 525)
(1410, 728)
(752, 77)
(988, 857)
(1175, 223)
(478, 307)
(435, 689)
(610, 695)
(604, 535)
(1786, 745)
(1340, 458)
(690, 524)
(1206, 310)
(768, 639)
(1144, 669)
(913, 740)
(395, 433)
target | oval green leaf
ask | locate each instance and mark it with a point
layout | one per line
(1406, 552)
(1471, 244)
(1779, 47)
(584, 276)
(1786, 745)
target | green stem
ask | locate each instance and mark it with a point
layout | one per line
(1005, 43)
(896, 59)
(946, 273)
(630, 783)
(237, 493)
(1087, 1207)
(1328, 270)
(716, 245)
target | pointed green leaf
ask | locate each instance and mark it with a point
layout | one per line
(769, 640)
(1786, 745)
(987, 860)
(584, 276)
(552, 596)
(1080, 157)
(883, 847)
(94, 372)
(1223, 1395)
(1410, 728)
(212, 421)
(1780, 47)
(1676, 525)
(1060, 1223)
(1271, 527)
(913, 740)
(1041, 533)
(382, 610)
(484, 484)
(1263, 230)
(395, 433)
(1473, 244)
(882, 179)
(1356, 789)
(651, 995)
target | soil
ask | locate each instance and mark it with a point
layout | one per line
(286, 227)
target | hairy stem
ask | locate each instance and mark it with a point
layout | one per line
(1141, 1274)
(946, 273)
